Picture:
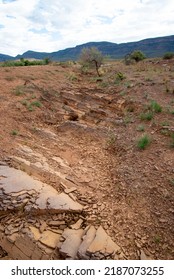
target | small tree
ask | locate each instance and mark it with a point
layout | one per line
(137, 55)
(47, 60)
(91, 57)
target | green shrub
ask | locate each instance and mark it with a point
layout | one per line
(19, 90)
(147, 116)
(120, 76)
(155, 107)
(137, 55)
(47, 60)
(24, 102)
(168, 55)
(36, 104)
(14, 132)
(143, 142)
(24, 62)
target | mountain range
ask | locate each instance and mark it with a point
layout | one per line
(153, 47)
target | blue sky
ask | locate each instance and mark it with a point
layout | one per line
(51, 25)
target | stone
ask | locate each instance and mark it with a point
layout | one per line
(10, 229)
(14, 201)
(2, 228)
(50, 239)
(6, 201)
(87, 240)
(37, 254)
(71, 179)
(12, 238)
(32, 221)
(143, 255)
(67, 191)
(35, 232)
(45, 257)
(3, 163)
(91, 219)
(62, 162)
(72, 196)
(43, 226)
(17, 254)
(25, 244)
(73, 239)
(56, 223)
(67, 184)
(64, 202)
(77, 225)
(18, 183)
(58, 231)
(103, 243)
(62, 227)
(10, 207)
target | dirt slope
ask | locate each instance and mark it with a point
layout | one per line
(88, 129)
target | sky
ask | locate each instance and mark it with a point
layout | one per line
(52, 25)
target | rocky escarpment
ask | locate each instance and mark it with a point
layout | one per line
(38, 222)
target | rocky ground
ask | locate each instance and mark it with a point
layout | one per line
(78, 134)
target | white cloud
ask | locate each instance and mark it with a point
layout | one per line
(50, 25)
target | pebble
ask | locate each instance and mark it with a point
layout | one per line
(12, 238)
(1, 227)
(10, 207)
(43, 226)
(6, 201)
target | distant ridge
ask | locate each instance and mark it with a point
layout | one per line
(153, 47)
(4, 57)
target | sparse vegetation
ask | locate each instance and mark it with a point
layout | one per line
(36, 103)
(172, 140)
(111, 142)
(120, 76)
(141, 128)
(127, 119)
(24, 62)
(146, 116)
(14, 132)
(72, 77)
(165, 123)
(155, 107)
(171, 181)
(165, 132)
(30, 106)
(24, 102)
(19, 90)
(143, 142)
(157, 239)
